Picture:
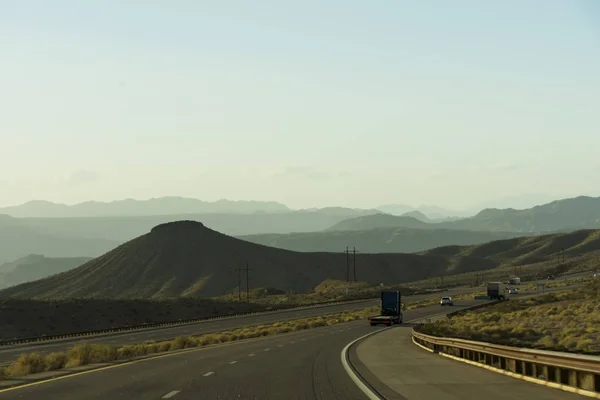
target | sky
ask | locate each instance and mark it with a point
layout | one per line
(309, 103)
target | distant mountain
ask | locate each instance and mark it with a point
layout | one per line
(562, 215)
(432, 212)
(185, 258)
(376, 221)
(569, 214)
(19, 240)
(382, 240)
(131, 207)
(34, 267)
(416, 215)
(518, 202)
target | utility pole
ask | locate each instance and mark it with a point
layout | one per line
(347, 265)
(247, 283)
(239, 271)
(354, 254)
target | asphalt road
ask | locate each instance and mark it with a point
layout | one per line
(10, 353)
(400, 370)
(301, 365)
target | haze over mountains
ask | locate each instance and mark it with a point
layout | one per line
(302, 230)
(185, 258)
(36, 266)
(562, 215)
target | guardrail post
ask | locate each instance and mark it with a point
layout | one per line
(586, 380)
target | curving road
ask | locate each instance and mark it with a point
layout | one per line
(301, 365)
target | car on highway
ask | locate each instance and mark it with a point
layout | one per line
(446, 301)
(513, 290)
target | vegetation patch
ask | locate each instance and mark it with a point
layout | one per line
(560, 321)
(84, 354)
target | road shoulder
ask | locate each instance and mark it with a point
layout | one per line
(398, 369)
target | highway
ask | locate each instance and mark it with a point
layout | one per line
(301, 365)
(10, 353)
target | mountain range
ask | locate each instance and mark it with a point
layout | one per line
(561, 215)
(130, 207)
(303, 230)
(185, 258)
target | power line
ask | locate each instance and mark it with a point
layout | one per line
(247, 282)
(354, 261)
(347, 265)
(239, 271)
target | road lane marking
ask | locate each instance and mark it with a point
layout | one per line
(232, 362)
(170, 394)
(267, 349)
(279, 345)
(251, 355)
(208, 373)
(357, 381)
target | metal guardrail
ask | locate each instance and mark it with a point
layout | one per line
(571, 372)
(169, 323)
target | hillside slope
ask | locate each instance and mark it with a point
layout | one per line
(187, 259)
(561, 215)
(34, 267)
(579, 251)
(382, 240)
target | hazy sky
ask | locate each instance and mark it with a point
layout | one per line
(310, 103)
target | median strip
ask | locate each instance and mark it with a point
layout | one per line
(94, 354)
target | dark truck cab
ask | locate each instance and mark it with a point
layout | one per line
(391, 309)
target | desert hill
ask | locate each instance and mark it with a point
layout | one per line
(185, 258)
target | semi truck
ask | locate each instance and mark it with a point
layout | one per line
(391, 309)
(514, 281)
(495, 290)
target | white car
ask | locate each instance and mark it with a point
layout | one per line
(513, 290)
(446, 301)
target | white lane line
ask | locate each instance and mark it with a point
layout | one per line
(208, 373)
(364, 388)
(267, 349)
(292, 342)
(170, 394)
(251, 355)
(279, 345)
(232, 362)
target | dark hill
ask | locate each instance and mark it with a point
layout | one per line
(187, 259)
